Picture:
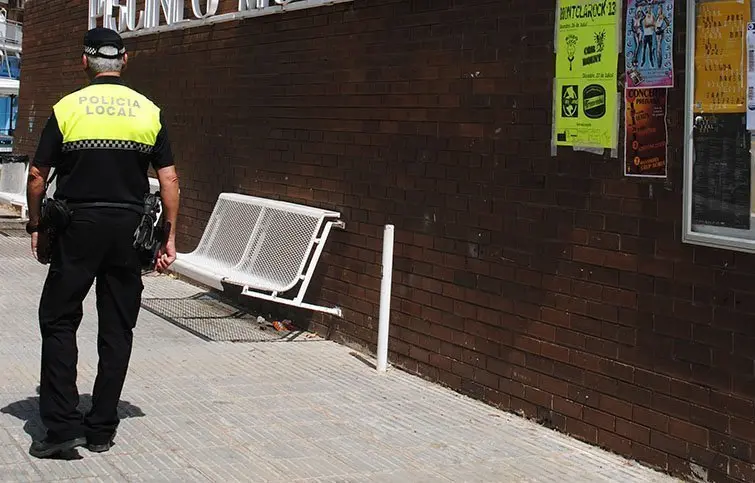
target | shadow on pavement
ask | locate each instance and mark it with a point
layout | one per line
(27, 410)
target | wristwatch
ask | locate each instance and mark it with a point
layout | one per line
(31, 228)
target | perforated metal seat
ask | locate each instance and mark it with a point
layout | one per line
(262, 245)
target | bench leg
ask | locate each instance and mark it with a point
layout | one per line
(313, 263)
(303, 305)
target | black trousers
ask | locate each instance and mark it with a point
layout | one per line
(96, 245)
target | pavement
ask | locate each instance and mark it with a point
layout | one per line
(277, 406)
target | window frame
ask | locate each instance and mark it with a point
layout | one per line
(716, 237)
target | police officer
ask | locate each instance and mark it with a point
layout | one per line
(101, 141)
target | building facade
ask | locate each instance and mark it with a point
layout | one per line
(553, 286)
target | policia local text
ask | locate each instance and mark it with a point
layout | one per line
(111, 106)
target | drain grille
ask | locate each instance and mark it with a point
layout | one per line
(212, 319)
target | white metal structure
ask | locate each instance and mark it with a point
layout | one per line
(9, 87)
(53, 184)
(385, 299)
(268, 247)
(13, 185)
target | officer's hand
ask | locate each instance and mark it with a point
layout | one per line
(34, 240)
(166, 256)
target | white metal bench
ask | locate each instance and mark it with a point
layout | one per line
(13, 185)
(265, 246)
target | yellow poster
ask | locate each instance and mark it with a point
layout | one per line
(586, 96)
(720, 81)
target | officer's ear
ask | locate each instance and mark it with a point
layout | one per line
(125, 61)
(84, 62)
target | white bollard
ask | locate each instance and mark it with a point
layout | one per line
(385, 299)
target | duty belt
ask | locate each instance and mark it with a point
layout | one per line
(104, 204)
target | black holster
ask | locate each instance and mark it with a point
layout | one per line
(56, 215)
(150, 234)
(54, 218)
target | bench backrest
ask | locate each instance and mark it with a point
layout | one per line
(265, 240)
(13, 178)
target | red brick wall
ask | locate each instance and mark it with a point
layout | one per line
(549, 286)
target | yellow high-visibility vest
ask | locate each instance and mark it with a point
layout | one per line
(107, 116)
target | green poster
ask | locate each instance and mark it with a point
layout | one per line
(586, 96)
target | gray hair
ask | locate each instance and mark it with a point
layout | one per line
(98, 65)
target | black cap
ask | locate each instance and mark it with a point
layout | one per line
(100, 37)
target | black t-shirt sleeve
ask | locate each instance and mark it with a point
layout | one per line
(162, 155)
(50, 145)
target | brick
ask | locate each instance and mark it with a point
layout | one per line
(538, 397)
(608, 439)
(742, 471)
(708, 418)
(584, 396)
(650, 418)
(690, 392)
(652, 381)
(600, 419)
(743, 429)
(523, 407)
(615, 406)
(708, 459)
(668, 444)
(733, 447)
(554, 386)
(688, 432)
(733, 405)
(634, 432)
(581, 430)
(671, 406)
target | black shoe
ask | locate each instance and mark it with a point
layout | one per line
(101, 447)
(46, 449)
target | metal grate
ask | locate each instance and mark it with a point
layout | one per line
(214, 320)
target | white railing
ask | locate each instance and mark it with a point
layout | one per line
(11, 32)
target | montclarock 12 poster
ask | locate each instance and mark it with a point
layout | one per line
(649, 43)
(586, 96)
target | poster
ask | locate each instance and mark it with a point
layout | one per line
(649, 43)
(586, 98)
(646, 137)
(750, 76)
(719, 56)
(721, 171)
